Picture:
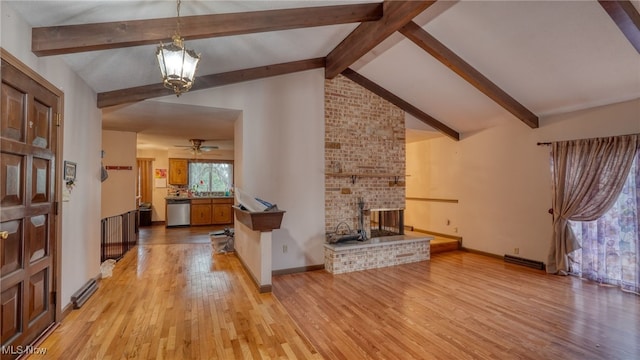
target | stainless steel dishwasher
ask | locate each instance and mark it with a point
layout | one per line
(178, 212)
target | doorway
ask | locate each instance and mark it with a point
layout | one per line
(29, 224)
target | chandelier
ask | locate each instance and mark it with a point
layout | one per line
(177, 64)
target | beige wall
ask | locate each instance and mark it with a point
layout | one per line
(433, 166)
(119, 190)
(502, 178)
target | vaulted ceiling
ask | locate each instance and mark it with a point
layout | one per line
(455, 66)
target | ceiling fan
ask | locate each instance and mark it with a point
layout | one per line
(196, 146)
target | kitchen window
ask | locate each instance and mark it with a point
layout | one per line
(210, 176)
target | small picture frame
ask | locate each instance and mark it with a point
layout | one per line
(69, 171)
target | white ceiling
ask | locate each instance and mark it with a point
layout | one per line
(160, 125)
(551, 56)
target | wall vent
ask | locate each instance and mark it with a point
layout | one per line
(524, 262)
(81, 296)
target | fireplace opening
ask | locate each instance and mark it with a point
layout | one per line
(386, 222)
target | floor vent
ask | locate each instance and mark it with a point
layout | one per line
(524, 262)
(81, 296)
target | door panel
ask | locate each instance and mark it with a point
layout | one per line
(39, 126)
(11, 247)
(11, 312)
(38, 295)
(28, 145)
(11, 193)
(13, 112)
(40, 180)
(38, 238)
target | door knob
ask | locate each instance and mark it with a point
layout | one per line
(4, 235)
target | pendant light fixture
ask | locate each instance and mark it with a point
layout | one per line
(177, 64)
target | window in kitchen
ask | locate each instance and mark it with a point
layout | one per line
(210, 176)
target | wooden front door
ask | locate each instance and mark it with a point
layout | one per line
(28, 143)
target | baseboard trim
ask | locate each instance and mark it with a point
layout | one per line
(261, 288)
(459, 238)
(297, 270)
(66, 311)
(473, 251)
(268, 288)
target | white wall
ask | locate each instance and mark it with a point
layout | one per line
(82, 129)
(119, 190)
(279, 157)
(502, 178)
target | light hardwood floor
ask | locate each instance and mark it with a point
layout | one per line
(180, 301)
(461, 305)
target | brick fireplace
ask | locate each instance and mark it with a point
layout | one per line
(364, 153)
(365, 181)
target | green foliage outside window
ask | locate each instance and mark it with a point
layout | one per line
(210, 176)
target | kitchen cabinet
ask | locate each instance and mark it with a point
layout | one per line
(178, 171)
(208, 211)
(221, 211)
(201, 212)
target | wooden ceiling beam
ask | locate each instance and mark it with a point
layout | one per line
(57, 40)
(368, 35)
(139, 93)
(626, 17)
(392, 98)
(447, 57)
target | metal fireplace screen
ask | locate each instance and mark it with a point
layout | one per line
(386, 222)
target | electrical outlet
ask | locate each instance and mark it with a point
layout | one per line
(516, 251)
(455, 230)
(284, 248)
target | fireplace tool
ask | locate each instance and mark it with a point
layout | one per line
(342, 233)
(362, 231)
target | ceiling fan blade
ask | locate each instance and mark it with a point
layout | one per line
(196, 146)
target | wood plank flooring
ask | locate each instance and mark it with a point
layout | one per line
(461, 306)
(172, 298)
(161, 235)
(178, 301)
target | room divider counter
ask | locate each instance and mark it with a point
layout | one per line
(253, 235)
